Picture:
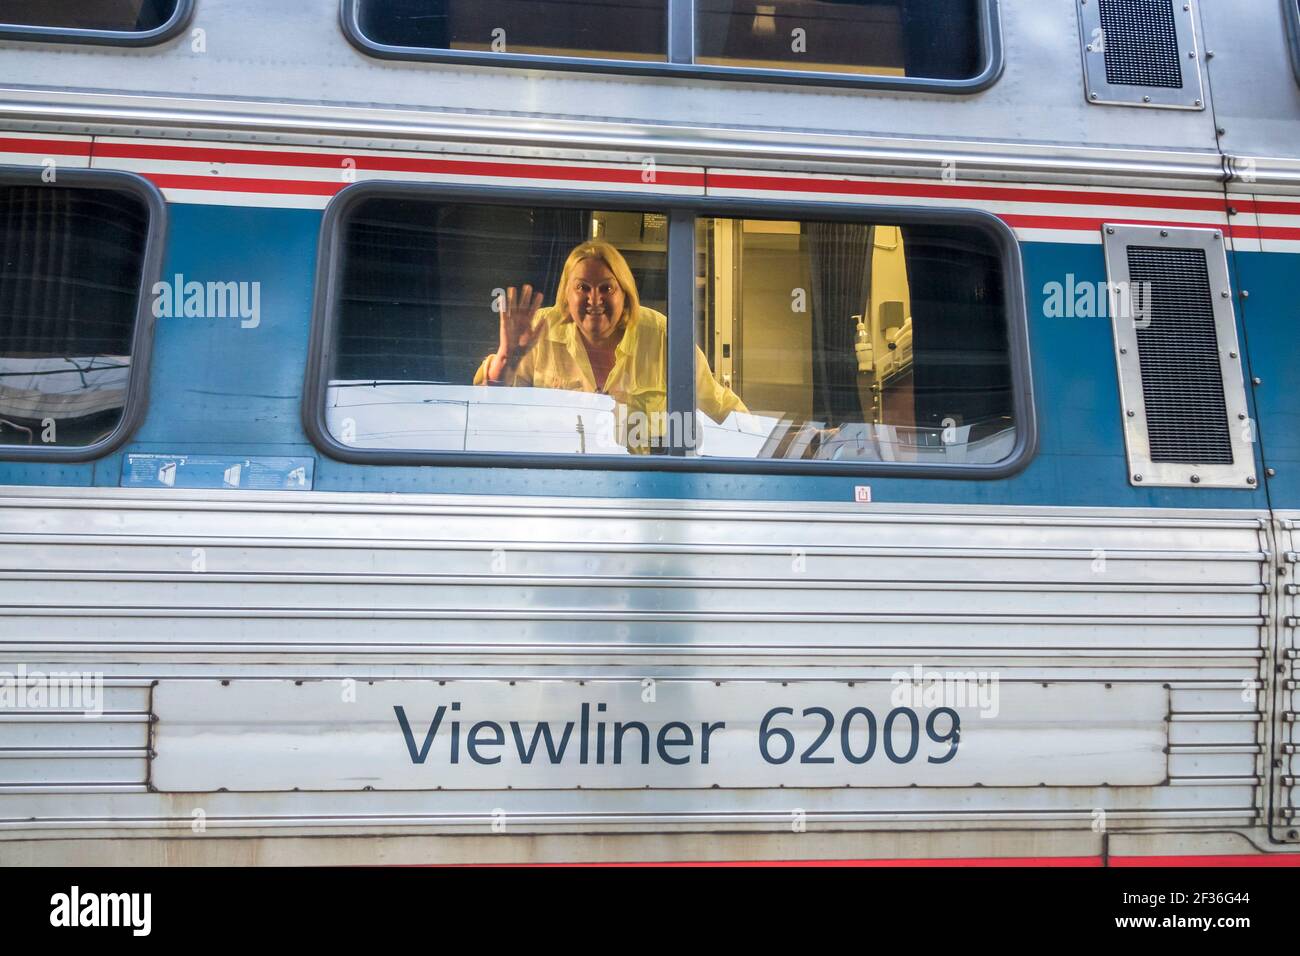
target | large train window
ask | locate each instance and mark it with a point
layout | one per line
(78, 256)
(934, 45)
(125, 22)
(857, 341)
(459, 323)
(473, 327)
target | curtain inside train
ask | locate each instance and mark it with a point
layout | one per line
(840, 259)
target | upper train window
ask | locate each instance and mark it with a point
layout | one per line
(526, 332)
(76, 257)
(937, 39)
(617, 29)
(906, 44)
(127, 22)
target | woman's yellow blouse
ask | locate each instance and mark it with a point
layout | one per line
(638, 380)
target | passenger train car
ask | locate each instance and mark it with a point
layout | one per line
(940, 499)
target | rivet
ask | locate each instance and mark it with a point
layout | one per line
(1257, 380)
(1191, 54)
(1146, 99)
(1132, 414)
(1094, 96)
(1110, 230)
(1271, 472)
(1137, 477)
(1196, 479)
(1245, 294)
(1123, 351)
(1198, 102)
(1232, 355)
(1241, 416)
(1251, 481)
(1164, 233)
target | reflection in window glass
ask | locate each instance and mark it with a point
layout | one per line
(933, 39)
(613, 29)
(70, 272)
(503, 328)
(135, 16)
(855, 342)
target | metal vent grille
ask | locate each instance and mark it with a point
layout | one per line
(1178, 350)
(1141, 43)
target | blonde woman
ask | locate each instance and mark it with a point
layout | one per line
(597, 337)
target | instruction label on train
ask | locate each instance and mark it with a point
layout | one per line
(245, 735)
(217, 471)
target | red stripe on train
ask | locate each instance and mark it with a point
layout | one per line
(1238, 859)
(986, 193)
(1234, 860)
(379, 163)
(1277, 207)
(49, 146)
(291, 187)
(393, 164)
(1265, 232)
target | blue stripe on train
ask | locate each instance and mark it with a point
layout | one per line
(218, 388)
(1272, 345)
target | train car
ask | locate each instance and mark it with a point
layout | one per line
(649, 430)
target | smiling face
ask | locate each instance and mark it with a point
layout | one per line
(596, 302)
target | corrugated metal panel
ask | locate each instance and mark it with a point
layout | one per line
(74, 731)
(187, 585)
(44, 742)
(18, 768)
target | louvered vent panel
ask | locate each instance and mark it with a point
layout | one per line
(1182, 379)
(1141, 43)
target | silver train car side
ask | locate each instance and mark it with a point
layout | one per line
(951, 512)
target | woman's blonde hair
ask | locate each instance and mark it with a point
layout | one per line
(606, 253)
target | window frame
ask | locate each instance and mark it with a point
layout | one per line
(1291, 13)
(132, 38)
(683, 212)
(680, 44)
(137, 390)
